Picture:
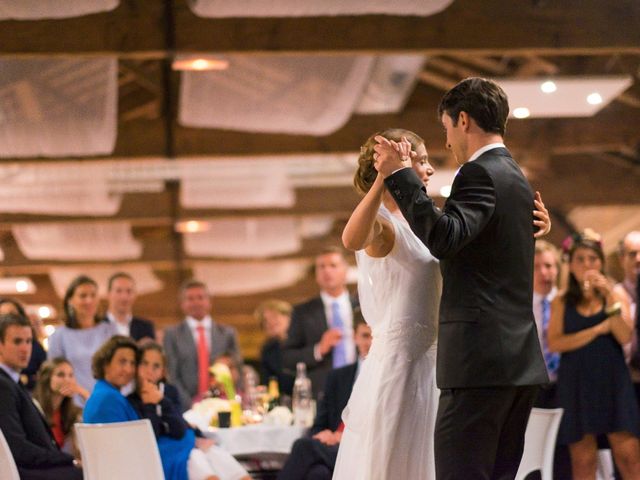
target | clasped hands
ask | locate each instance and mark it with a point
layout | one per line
(390, 155)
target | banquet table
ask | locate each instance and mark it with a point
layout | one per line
(256, 439)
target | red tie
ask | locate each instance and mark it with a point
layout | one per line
(203, 361)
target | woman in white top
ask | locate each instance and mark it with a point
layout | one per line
(392, 410)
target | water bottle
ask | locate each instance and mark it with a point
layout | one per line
(302, 398)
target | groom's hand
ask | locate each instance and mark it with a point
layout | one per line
(390, 156)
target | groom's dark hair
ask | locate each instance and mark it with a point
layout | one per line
(482, 99)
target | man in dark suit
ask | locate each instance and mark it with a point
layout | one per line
(314, 458)
(489, 365)
(321, 331)
(25, 429)
(121, 295)
(193, 345)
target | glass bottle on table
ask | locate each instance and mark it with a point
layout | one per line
(302, 398)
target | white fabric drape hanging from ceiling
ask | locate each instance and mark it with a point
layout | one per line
(246, 278)
(239, 185)
(296, 94)
(95, 241)
(256, 237)
(41, 9)
(146, 280)
(302, 8)
(58, 107)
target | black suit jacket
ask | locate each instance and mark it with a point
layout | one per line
(28, 435)
(337, 391)
(308, 323)
(141, 328)
(484, 239)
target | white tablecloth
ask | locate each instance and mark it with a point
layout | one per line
(255, 439)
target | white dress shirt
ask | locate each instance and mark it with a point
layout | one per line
(486, 148)
(121, 328)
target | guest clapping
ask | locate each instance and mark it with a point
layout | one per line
(589, 324)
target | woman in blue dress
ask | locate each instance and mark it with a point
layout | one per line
(114, 366)
(589, 324)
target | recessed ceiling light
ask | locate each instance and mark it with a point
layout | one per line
(192, 226)
(44, 311)
(548, 87)
(445, 191)
(569, 99)
(200, 64)
(13, 285)
(521, 112)
(594, 98)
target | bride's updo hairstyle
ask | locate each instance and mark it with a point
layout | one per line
(366, 173)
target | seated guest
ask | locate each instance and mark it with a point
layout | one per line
(121, 295)
(274, 317)
(38, 353)
(83, 331)
(114, 366)
(156, 399)
(54, 391)
(315, 458)
(27, 433)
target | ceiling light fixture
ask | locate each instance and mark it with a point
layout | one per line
(199, 64)
(548, 87)
(445, 191)
(13, 285)
(594, 98)
(521, 112)
(192, 226)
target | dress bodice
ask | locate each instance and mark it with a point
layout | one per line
(400, 293)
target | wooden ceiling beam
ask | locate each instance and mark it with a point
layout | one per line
(135, 29)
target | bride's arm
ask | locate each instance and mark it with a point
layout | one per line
(365, 229)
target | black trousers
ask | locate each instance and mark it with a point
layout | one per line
(68, 472)
(310, 459)
(479, 432)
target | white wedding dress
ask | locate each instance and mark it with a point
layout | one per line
(390, 417)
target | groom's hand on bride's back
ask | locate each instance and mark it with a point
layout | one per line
(328, 437)
(329, 339)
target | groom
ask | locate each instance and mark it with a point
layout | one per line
(489, 360)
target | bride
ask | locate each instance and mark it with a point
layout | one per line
(392, 410)
(390, 417)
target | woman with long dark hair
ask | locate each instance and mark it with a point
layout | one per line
(83, 331)
(589, 324)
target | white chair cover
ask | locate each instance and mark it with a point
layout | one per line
(8, 468)
(119, 450)
(39, 9)
(301, 8)
(56, 107)
(540, 443)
